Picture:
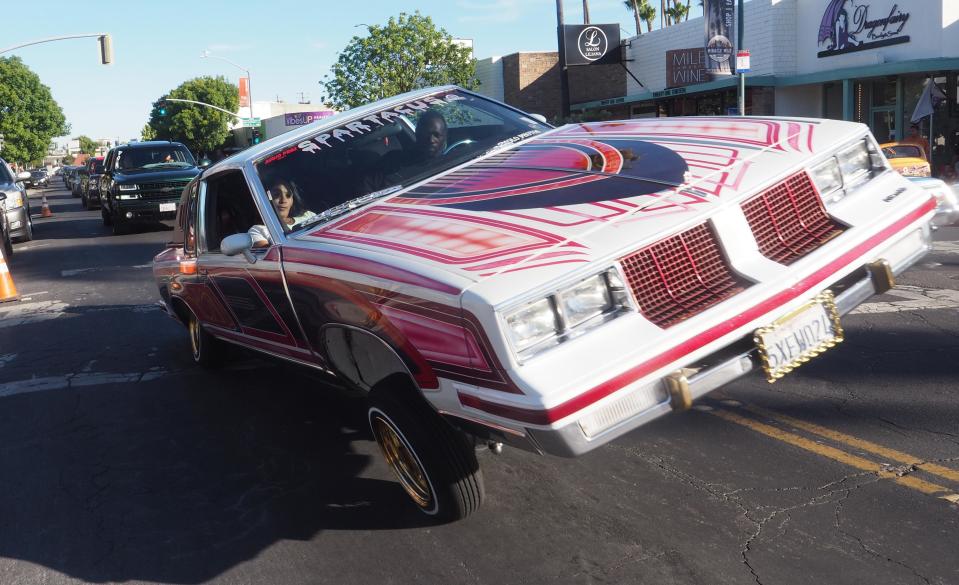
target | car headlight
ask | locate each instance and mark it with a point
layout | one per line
(583, 301)
(852, 166)
(533, 324)
(129, 187)
(567, 313)
(855, 164)
(827, 177)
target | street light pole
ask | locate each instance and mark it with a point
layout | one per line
(739, 47)
(106, 44)
(203, 104)
(249, 80)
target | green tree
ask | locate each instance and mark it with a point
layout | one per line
(642, 12)
(29, 116)
(408, 53)
(67, 160)
(201, 128)
(87, 145)
(677, 12)
(148, 133)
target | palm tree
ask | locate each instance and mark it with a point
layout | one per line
(677, 11)
(642, 12)
(647, 13)
(634, 7)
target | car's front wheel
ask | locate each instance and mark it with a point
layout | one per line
(434, 463)
(207, 350)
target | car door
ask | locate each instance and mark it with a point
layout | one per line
(252, 296)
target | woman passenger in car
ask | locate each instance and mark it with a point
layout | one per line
(288, 204)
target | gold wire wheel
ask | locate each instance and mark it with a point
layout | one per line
(195, 336)
(403, 463)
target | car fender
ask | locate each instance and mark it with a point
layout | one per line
(360, 357)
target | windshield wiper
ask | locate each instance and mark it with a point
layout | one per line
(348, 206)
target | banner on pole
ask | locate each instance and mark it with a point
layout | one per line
(244, 92)
(720, 36)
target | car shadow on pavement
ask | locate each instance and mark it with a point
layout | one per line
(182, 478)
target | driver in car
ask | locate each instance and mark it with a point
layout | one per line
(431, 134)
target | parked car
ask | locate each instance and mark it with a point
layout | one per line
(37, 179)
(68, 173)
(486, 278)
(142, 181)
(90, 192)
(16, 205)
(909, 160)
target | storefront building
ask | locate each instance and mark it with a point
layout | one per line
(861, 60)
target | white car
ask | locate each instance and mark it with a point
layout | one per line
(488, 278)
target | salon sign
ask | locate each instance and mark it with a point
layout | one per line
(857, 25)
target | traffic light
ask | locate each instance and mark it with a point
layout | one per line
(256, 136)
(162, 110)
(106, 49)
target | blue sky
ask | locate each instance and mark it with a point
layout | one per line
(287, 46)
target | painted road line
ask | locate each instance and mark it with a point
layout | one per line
(48, 383)
(76, 271)
(945, 247)
(35, 312)
(833, 453)
(915, 298)
(919, 462)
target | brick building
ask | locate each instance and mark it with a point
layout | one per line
(530, 81)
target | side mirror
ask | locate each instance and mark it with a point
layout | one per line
(539, 118)
(3, 196)
(239, 244)
(23, 176)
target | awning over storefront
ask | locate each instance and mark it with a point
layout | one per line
(865, 71)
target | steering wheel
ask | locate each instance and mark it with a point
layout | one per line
(457, 144)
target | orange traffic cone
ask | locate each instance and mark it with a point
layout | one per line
(8, 291)
(45, 208)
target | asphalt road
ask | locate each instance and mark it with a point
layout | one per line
(122, 462)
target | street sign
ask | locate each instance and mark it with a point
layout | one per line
(742, 61)
(250, 122)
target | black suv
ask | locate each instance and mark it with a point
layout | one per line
(142, 181)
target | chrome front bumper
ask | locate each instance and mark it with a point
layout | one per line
(681, 388)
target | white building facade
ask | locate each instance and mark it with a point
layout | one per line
(862, 60)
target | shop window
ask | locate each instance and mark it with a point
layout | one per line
(884, 92)
(832, 98)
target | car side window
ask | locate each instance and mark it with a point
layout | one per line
(228, 208)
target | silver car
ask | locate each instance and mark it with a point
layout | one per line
(16, 206)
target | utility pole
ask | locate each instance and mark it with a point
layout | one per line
(585, 11)
(563, 71)
(739, 47)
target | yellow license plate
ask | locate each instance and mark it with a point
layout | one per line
(796, 338)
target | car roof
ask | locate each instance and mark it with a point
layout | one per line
(150, 144)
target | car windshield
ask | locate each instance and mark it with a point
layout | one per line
(97, 167)
(151, 158)
(372, 156)
(902, 151)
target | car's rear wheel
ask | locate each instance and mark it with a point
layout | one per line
(207, 350)
(434, 463)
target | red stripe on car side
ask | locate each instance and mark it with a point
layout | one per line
(560, 411)
(357, 265)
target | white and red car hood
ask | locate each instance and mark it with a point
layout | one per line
(528, 215)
